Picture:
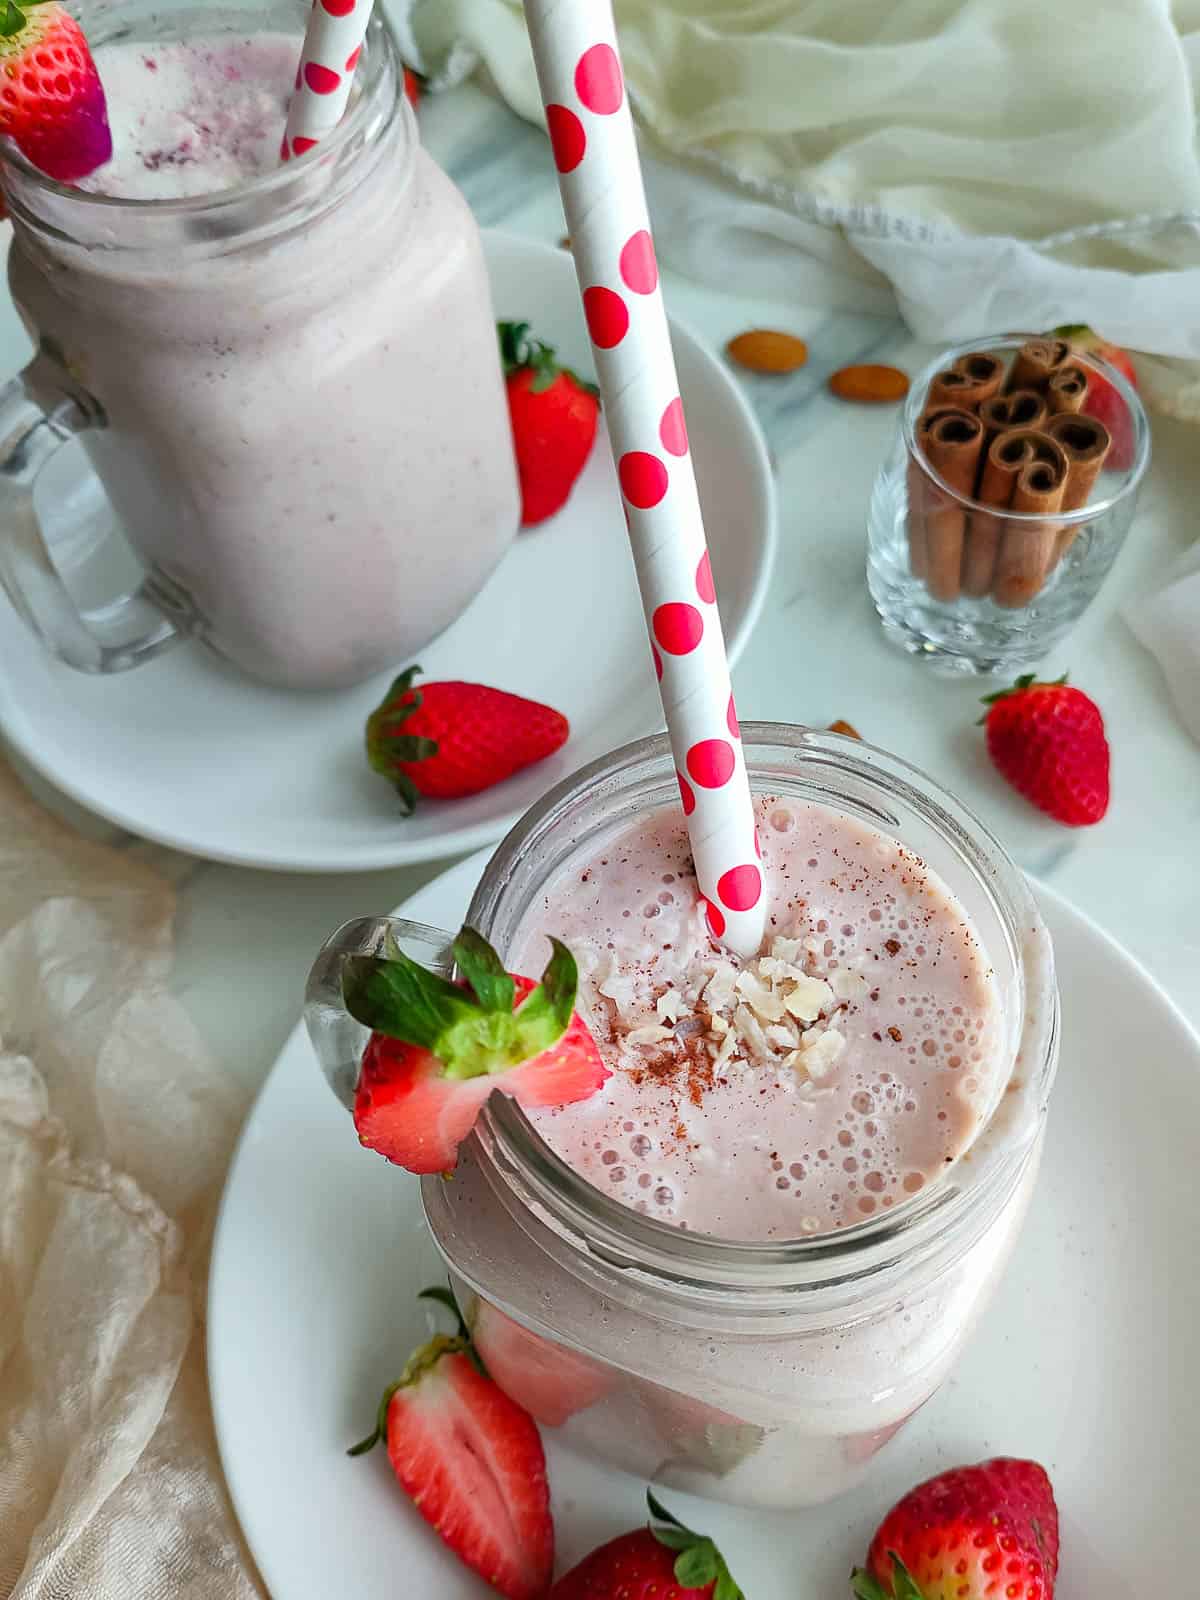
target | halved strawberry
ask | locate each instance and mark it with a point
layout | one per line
(439, 1049)
(473, 1465)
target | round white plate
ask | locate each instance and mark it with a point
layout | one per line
(186, 752)
(1084, 1362)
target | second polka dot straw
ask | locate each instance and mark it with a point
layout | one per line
(333, 42)
(592, 137)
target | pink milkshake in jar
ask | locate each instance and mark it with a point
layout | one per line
(285, 377)
(744, 1262)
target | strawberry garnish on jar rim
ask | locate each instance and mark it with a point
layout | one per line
(52, 103)
(438, 1050)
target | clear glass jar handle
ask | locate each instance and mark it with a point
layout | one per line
(39, 413)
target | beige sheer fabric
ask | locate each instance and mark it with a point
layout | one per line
(115, 1132)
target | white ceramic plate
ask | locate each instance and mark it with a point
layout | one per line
(186, 752)
(1086, 1360)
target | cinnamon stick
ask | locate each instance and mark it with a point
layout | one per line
(1086, 443)
(972, 380)
(1036, 361)
(1030, 468)
(1019, 408)
(986, 372)
(1067, 389)
(951, 440)
(950, 388)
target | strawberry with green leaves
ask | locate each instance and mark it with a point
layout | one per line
(553, 413)
(988, 1532)
(1103, 400)
(664, 1561)
(448, 740)
(438, 1049)
(471, 1461)
(1048, 740)
(51, 102)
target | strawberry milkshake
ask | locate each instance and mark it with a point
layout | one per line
(290, 374)
(758, 1247)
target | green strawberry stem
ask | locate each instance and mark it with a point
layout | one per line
(904, 1586)
(471, 1030)
(1027, 680)
(386, 747)
(519, 350)
(444, 1296)
(415, 1368)
(699, 1562)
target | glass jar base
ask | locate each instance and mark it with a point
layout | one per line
(952, 659)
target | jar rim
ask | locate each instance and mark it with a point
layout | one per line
(368, 118)
(628, 1238)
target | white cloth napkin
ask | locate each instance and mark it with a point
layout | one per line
(1168, 623)
(115, 1132)
(999, 163)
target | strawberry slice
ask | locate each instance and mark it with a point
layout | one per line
(52, 106)
(439, 1049)
(473, 1465)
(549, 1380)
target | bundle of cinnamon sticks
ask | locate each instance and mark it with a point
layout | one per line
(1015, 442)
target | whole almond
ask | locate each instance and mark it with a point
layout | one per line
(869, 385)
(767, 350)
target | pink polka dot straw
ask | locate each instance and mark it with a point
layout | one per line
(333, 42)
(595, 151)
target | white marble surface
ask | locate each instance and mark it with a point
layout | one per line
(246, 938)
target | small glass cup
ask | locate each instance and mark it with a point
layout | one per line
(978, 589)
(762, 1373)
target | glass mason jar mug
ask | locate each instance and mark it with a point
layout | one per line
(762, 1373)
(289, 391)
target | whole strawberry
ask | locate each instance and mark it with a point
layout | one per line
(553, 414)
(664, 1561)
(446, 740)
(1048, 740)
(439, 1050)
(1103, 400)
(473, 1465)
(52, 106)
(988, 1532)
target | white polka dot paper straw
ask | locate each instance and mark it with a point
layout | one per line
(333, 43)
(592, 138)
